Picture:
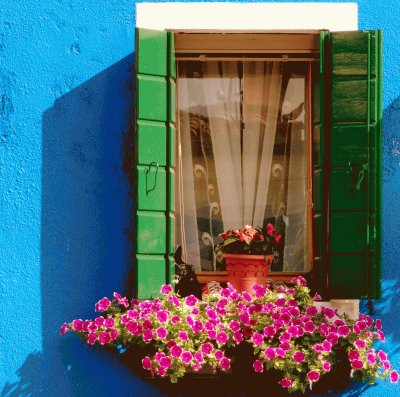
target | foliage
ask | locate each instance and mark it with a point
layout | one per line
(249, 240)
(285, 329)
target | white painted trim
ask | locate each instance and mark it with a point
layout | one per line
(247, 16)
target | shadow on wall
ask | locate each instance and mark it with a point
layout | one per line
(87, 160)
(87, 241)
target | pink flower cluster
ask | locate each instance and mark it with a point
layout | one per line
(284, 327)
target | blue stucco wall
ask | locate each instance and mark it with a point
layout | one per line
(65, 205)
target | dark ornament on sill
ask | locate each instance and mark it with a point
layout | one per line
(185, 277)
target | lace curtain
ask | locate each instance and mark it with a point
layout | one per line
(242, 156)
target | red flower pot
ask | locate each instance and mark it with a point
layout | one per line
(246, 270)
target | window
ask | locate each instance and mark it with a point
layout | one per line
(345, 124)
(243, 129)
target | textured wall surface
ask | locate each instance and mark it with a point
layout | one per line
(65, 128)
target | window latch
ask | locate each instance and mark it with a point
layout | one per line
(147, 172)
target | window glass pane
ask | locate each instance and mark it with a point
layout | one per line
(242, 156)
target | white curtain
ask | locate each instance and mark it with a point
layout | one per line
(228, 118)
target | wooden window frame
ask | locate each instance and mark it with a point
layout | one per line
(287, 46)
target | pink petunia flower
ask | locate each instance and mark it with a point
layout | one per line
(77, 324)
(344, 330)
(234, 326)
(258, 339)
(279, 352)
(312, 311)
(238, 337)
(187, 357)
(222, 337)
(269, 331)
(386, 364)
(285, 346)
(326, 346)
(146, 363)
(104, 338)
(174, 300)
(191, 300)
(309, 326)
(161, 332)
(99, 321)
(175, 319)
(357, 364)
(269, 353)
(207, 348)
(354, 355)
(162, 316)
(225, 363)
(92, 338)
(299, 357)
(382, 355)
(109, 322)
(165, 362)
(258, 366)
(199, 357)
(166, 289)
(378, 324)
(371, 359)
(64, 328)
(299, 281)
(326, 366)
(313, 376)
(394, 377)
(102, 305)
(360, 344)
(114, 334)
(285, 383)
(183, 336)
(197, 326)
(176, 351)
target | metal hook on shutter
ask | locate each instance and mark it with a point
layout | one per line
(147, 172)
(358, 173)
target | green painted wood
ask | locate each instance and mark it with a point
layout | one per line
(349, 53)
(152, 98)
(349, 99)
(151, 274)
(151, 188)
(317, 191)
(151, 48)
(317, 236)
(171, 189)
(172, 145)
(172, 100)
(350, 277)
(320, 265)
(348, 233)
(151, 238)
(345, 196)
(317, 152)
(349, 143)
(355, 164)
(172, 233)
(152, 142)
(154, 155)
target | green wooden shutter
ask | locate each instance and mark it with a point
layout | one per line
(352, 163)
(154, 160)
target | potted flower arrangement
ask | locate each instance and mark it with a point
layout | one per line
(248, 253)
(286, 332)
